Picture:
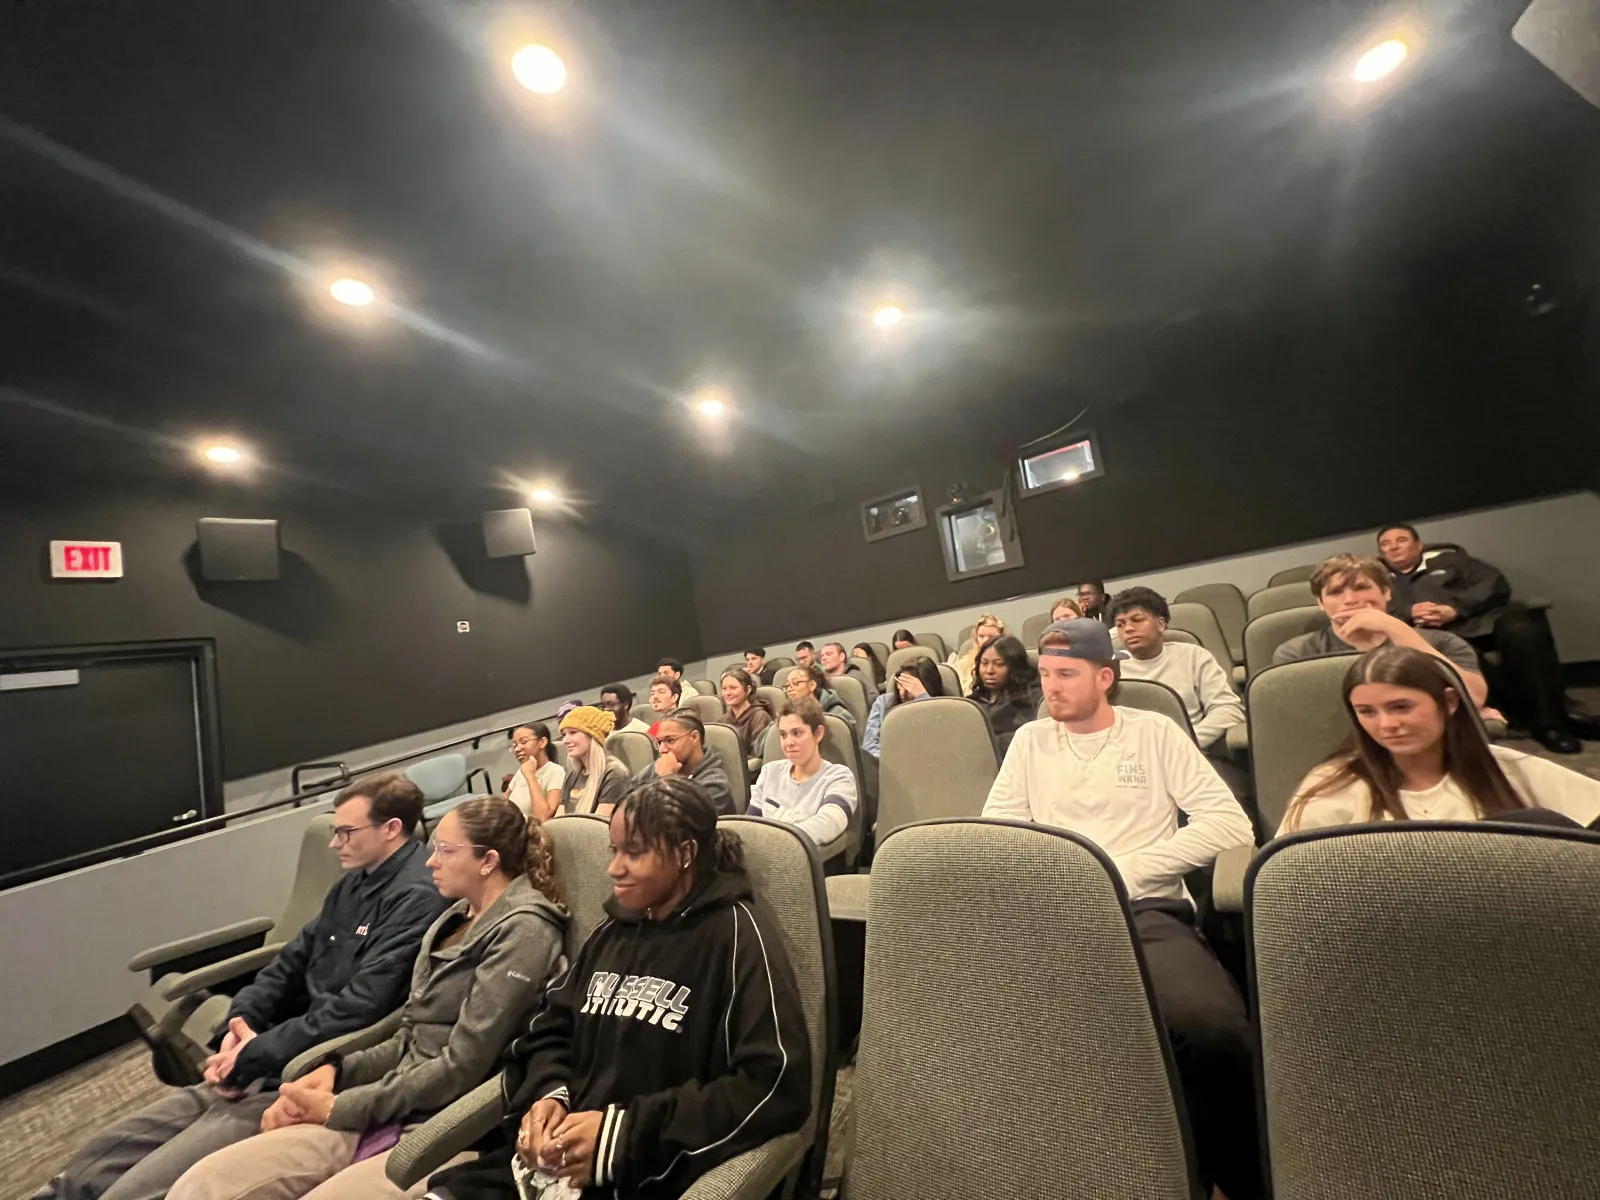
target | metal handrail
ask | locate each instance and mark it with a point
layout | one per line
(295, 799)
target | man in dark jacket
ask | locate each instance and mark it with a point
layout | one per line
(346, 969)
(1446, 588)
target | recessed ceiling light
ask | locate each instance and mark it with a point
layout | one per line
(352, 292)
(1379, 61)
(542, 495)
(222, 454)
(710, 406)
(539, 69)
(888, 316)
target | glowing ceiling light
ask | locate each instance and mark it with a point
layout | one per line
(710, 406)
(221, 454)
(1379, 61)
(888, 316)
(352, 292)
(542, 495)
(539, 69)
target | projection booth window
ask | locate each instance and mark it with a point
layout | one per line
(1059, 462)
(979, 536)
(900, 512)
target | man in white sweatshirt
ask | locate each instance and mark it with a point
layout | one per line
(1120, 777)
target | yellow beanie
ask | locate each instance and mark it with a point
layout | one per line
(586, 718)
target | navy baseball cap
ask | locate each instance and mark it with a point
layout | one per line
(1086, 638)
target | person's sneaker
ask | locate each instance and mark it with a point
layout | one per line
(1559, 741)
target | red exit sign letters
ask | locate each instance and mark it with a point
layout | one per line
(86, 560)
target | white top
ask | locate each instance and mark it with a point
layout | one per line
(686, 692)
(1122, 789)
(1192, 672)
(1542, 783)
(820, 807)
(549, 776)
(634, 725)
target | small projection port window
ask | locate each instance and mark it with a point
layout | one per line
(1060, 464)
(891, 515)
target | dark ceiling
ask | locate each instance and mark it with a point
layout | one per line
(721, 195)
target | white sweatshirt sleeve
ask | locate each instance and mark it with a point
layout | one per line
(1008, 794)
(1221, 708)
(833, 813)
(1216, 822)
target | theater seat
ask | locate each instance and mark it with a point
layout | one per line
(782, 663)
(1199, 621)
(1300, 574)
(439, 777)
(707, 708)
(178, 1011)
(636, 750)
(706, 688)
(1276, 599)
(934, 642)
(1425, 994)
(1265, 634)
(951, 681)
(1227, 603)
(900, 657)
(724, 739)
(880, 651)
(775, 697)
(963, 638)
(1033, 627)
(854, 696)
(1182, 635)
(1009, 1047)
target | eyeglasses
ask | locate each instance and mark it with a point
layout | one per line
(341, 833)
(446, 849)
(669, 740)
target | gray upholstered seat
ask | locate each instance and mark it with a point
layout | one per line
(904, 655)
(1426, 993)
(636, 750)
(1300, 574)
(1227, 604)
(707, 708)
(1276, 599)
(775, 697)
(1001, 968)
(724, 739)
(964, 637)
(951, 681)
(840, 745)
(934, 642)
(1201, 622)
(1033, 627)
(782, 663)
(1181, 635)
(705, 687)
(1150, 695)
(880, 651)
(1265, 634)
(936, 758)
(854, 696)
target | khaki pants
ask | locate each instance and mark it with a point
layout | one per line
(297, 1162)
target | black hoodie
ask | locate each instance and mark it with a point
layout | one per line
(686, 1032)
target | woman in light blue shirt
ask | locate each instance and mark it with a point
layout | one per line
(916, 680)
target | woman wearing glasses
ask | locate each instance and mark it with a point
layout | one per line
(810, 681)
(478, 979)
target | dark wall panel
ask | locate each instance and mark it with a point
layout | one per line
(356, 643)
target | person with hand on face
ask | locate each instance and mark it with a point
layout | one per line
(676, 1042)
(1120, 777)
(595, 779)
(804, 790)
(835, 661)
(1354, 592)
(536, 774)
(810, 681)
(682, 751)
(1448, 589)
(755, 663)
(1416, 754)
(902, 639)
(1093, 601)
(805, 654)
(347, 969)
(665, 695)
(965, 662)
(747, 712)
(1006, 687)
(617, 699)
(916, 680)
(475, 984)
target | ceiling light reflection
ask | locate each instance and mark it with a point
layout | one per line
(539, 69)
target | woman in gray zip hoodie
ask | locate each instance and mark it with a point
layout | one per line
(480, 975)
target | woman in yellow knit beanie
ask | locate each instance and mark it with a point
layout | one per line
(595, 780)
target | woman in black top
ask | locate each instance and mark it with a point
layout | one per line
(1006, 685)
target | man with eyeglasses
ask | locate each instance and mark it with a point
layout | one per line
(347, 969)
(682, 750)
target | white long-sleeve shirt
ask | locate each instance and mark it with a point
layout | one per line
(1200, 682)
(820, 807)
(1122, 789)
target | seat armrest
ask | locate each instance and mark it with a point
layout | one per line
(754, 1174)
(445, 1134)
(1238, 676)
(1227, 878)
(209, 976)
(1237, 738)
(345, 1043)
(847, 896)
(836, 847)
(199, 943)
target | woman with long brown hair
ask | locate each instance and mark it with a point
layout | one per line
(1417, 753)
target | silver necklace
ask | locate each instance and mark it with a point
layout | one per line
(1068, 735)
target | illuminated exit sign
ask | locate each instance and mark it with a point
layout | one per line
(86, 560)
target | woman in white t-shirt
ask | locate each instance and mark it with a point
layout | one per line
(804, 790)
(1418, 754)
(537, 776)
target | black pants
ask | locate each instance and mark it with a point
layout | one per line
(1212, 1042)
(1526, 682)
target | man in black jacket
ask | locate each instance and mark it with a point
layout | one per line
(346, 969)
(1446, 588)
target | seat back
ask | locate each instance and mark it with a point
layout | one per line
(1199, 620)
(636, 750)
(952, 681)
(1227, 604)
(707, 708)
(1426, 1011)
(1300, 574)
(1033, 627)
(853, 695)
(936, 758)
(1276, 599)
(1148, 694)
(880, 651)
(1297, 720)
(775, 697)
(1182, 635)
(900, 657)
(786, 879)
(1264, 635)
(724, 739)
(439, 777)
(1085, 1104)
(705, 687)
(581, 846)
(839, 745)
(964, 637)
(781, 663)
(315, 872)
(934, 642)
